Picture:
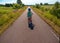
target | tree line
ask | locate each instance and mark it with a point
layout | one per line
(55, 10)
(17, 5)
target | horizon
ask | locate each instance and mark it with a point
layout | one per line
(29, 2)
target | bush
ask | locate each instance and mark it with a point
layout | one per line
(8, 5)
(41, 3)
(23, 5)
(37, 6)
(42, 8)
(56, 10)
(46, 4)
(45, 9)
(48, 16)
(16, 6)
(57, 5)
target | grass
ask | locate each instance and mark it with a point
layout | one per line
(7, 18)
(5, 10)
(47, 6)
(53, 21)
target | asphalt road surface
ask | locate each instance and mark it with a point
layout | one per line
(19, 32)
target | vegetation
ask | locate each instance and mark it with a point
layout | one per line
(51, 13)
(37, 6)
(56, 9)
(46, 4)
(7, 16)
(8, 5)
(41, 3)
(18, 6)
(19, 2)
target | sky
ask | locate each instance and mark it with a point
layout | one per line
(29, 2)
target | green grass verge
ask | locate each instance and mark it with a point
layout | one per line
(8, 18)
(53, 21)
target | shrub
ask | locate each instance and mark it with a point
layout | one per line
(56, 10)
(42, 8)
(48, 16)
(16, 6)
(8, 5)
(41, 3)
(46, 4)
(46, 9)
(37, 6)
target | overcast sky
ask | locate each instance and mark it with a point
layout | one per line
(29, 2)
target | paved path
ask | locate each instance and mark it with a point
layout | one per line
(19, 32)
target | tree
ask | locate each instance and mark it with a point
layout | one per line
(37, 6)
(2, 5)
(16, 6)
(45, 3)
(41, 3)
(57, 4)
(19, 2)
(23, 5)
(8, 5)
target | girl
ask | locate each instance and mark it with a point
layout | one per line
(29, 15)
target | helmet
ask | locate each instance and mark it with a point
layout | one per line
(29, 9)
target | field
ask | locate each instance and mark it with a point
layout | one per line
(7, 16)
(51, 19)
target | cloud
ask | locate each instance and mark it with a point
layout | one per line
(28, 2)
(38, 1)
(7, 1)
